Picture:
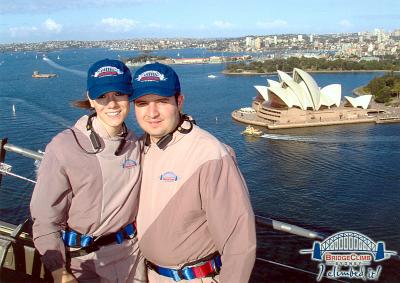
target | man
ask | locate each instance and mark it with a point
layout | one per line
(86, 197)
(195, 221)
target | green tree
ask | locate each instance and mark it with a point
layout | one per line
(396, 88)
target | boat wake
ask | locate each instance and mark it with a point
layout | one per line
(290, 138)
(27, 107)
(57, 66)
(318, 139)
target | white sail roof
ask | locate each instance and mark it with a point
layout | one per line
(307, 97)
(295, 88)
(311, 86)
(361, 101)
(302, 91)
(331, 95)
(263, 91)
(282, 94)
(273, 83)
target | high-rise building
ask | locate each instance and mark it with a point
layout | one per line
(300, 37)
(257, 43)
(249, 41)
(371, 47)
(396, 32)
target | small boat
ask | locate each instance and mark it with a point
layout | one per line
(37, 75)
(58, 57)
(212, 76)
(250, 131)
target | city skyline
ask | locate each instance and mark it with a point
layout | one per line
(45, 20)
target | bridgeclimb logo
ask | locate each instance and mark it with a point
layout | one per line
(129, 163)
(169, 177)
(151, 76)
(349, 254)
(107, 71)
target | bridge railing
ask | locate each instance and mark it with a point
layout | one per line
(260, 220)
(5, 169)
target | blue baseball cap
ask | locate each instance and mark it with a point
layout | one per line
(155, 78)
(109, 75)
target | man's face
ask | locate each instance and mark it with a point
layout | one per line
(158, 115)
(112, 109)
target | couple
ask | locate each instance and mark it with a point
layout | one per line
(194, 222)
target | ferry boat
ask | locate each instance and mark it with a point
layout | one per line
(250, 131)
(37, 75)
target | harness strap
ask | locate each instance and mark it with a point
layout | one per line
(205, 267)
(74, 239)
(87, 244)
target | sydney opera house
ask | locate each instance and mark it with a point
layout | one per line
(297, 101)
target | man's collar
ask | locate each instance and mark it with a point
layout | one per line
(184, 127)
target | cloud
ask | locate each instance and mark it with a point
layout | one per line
(159, 26)
(273, 24)
(48, 6)
(52, 26)
(154, 25)
(49, 26)
(345, 24)
(202, 27)
(119, 25)
(222, 24)
(22, 31)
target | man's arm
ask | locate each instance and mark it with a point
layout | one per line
(230, 218)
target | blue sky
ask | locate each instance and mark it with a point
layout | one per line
(43, 20)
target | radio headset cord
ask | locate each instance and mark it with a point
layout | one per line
(165, 140)
(95, 139)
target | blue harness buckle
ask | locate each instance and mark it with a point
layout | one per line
(205, 267)
(74, 239)
(130, 231)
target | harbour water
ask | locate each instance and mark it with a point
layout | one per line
(328, 179)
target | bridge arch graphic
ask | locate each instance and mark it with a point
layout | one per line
(349, 241)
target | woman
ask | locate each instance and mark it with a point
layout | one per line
(85, 201)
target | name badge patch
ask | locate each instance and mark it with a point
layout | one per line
(169, 177)
(129, 163)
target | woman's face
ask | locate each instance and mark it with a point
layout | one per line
(112, 109)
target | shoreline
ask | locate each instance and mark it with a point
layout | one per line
(359, 91)
(252, 119)
(253, 73)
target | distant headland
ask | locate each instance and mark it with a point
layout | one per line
(311, 65)
(149, 58)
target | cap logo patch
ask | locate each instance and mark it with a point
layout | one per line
(107, 71)
(151, 76)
